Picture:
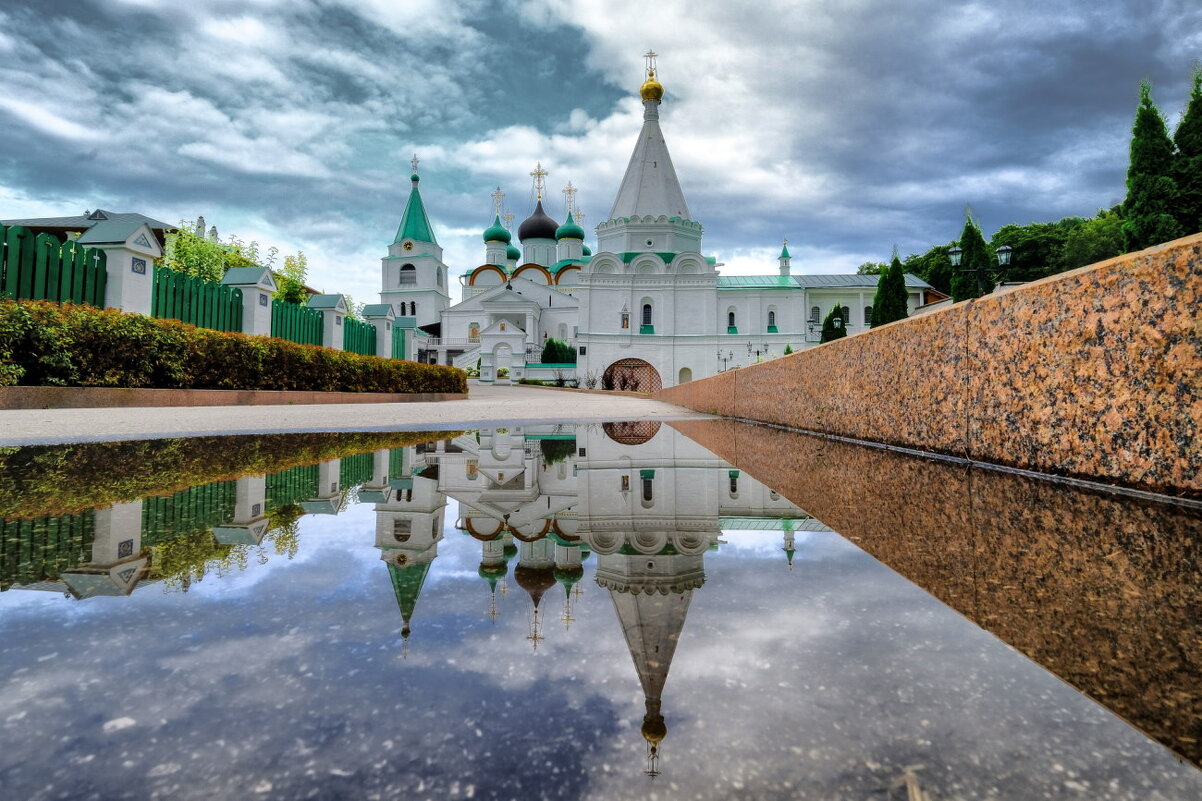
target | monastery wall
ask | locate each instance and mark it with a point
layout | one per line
(1094, 373)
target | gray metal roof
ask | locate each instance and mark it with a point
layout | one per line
(107, 232)
(853, 281)
(247, 275)
(81, 221)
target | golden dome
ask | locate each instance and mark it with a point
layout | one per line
(651, 88)
(654, 730)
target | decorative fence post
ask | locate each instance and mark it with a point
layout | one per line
(334, 307)
(249, 522)
(257, 287)
(130, 256)
(383, 318)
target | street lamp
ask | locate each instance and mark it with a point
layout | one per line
(1003, 255)
(757, 350)
(730, 355)
(956, 254)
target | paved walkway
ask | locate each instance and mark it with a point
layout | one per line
(486, 405)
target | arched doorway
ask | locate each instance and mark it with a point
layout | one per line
(634, 375)
(686, 375)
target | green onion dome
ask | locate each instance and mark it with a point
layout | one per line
(587, 251)
(512, 253)
(414, 178)
(569, 229)
(496, 232)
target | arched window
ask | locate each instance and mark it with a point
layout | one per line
(815, 314)
(440, 276)
(648, 489)
(867, 315)
(734, 483)
(846, 315)
(408, 274)
(771, 318)
(730, 321)
(413, 309)
(646, 314)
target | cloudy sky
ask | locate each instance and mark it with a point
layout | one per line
(846, 127)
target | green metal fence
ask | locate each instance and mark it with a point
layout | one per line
(358, 336)
(296, 323)
(41, 549)
(398, 342)
(187, 512)
(195, 300)
(39, 267)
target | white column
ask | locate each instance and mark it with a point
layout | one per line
(115, 525)
(130, 284)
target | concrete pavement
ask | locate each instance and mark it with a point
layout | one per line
(487, 405)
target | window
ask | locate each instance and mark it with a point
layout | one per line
(413, 309)
(771, 319)
(846, 315)
(646, 314)
(815, 314)
(734, 483)
(408, 274)
(648, 490)
(730, 319)
(867, 315)
(401, 530)
(440, 276)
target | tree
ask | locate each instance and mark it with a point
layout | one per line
(1187, 164)
(834, 326)
(872, 268)
(1093, 240)
(788, 349)
(889, 303)
(1151, 191)
(975, 256)
(1037, 249)
(934, 267)
(556, 351)
(290, 279)
(189, 252)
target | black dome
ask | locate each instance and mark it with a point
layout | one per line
(538, 225)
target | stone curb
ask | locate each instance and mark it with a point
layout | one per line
(123, 397)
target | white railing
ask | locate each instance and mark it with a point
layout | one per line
(443, 342)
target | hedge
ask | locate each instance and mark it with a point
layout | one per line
(52, 344)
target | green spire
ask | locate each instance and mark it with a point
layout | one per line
(496, 232)
(569, 229)
(784, 250)
(415, 224)
(407, 584)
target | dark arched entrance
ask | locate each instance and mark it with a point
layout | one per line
(634, 375)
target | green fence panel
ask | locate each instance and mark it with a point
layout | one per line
(296, 323)
(46, 268)
(358, 337)
(187, 512)
(398, 342)
(356, 470)
(197, 301)
(41, 549)
(18, 259)
(291, 486)
(41, 268)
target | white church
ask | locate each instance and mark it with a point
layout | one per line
(647, 310)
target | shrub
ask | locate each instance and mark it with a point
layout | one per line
(556, 351)
(51, 344)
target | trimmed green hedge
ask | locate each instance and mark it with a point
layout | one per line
(51, 344)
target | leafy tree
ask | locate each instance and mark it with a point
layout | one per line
(934, 267)
(1187, 164)
(872, 268)
(975, 256)
(290, 279)
(834, 326)
(1151, 191)
(1093, 241)
(1037, 249)
(889, 303)
(788, 349)
(556, 351)
(188, 251)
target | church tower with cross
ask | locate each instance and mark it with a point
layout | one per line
(413, 276)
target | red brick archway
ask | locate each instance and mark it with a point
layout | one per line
(632, 374)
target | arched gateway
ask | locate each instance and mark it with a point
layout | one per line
(632, 374)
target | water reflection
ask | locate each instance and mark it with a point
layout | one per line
(524, 568)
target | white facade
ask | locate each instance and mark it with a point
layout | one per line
(649, 309)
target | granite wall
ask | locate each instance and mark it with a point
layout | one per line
(1095, 373)
(1103, 590)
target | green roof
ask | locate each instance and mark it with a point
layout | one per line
(245, 275)
(415, 224)
(569, 229)
(784, 251)
(407, 585)
(757, 282)
(630, 256)
(559, 265)
(496, 232)
(377, 309)
(512, 252)
(324, 301)
(108, 232)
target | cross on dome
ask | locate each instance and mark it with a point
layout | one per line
(539, 174)
(569, 192)
(498, 199)
(508, 218)
(414, 162)
(650, 55)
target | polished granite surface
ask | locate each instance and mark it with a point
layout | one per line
(617, 611)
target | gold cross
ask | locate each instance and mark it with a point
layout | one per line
(579, 215)
(497, 198)
(650, 56)
(413, 161)
(570, 193)
(507, 217)
(539, 174)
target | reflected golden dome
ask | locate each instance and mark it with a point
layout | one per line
(651, 88)
(654, 730)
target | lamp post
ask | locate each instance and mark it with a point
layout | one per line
(956, 254)
(757, 351)
(1003, 258)
(725, 359)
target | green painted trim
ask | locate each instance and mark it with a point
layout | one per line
(731, 329)
(646, 474)
(557, 365)
(646, 329)
(772, 330)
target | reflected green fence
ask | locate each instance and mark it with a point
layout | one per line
(355, 470)
(291, 486)
(187, 512)
(40, 549)
(296, 323)
(39, 267)
(193, 300)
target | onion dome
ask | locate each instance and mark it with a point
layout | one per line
(538, 225)
(496, 232)
(654, 730)
(534, 580)
(414, 178)
(569, 229)
(587, 251)
(651, 88)
(512, 253)
(569, 575)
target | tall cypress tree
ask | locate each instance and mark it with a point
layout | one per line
(1151, 191)
(1187, 164)
(834, 326)
(889, 302)
(974, 256)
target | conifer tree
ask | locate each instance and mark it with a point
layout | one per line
(1187, 164)
(1148, 211)
(974, 256)
(834, 326)
(889, 303)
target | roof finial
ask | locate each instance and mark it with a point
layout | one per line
(508, 218)
(650, 56)
(569, 192)
(539, 174)
(498, 200)
(651, 89)
(579, 215)
(414, 162)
